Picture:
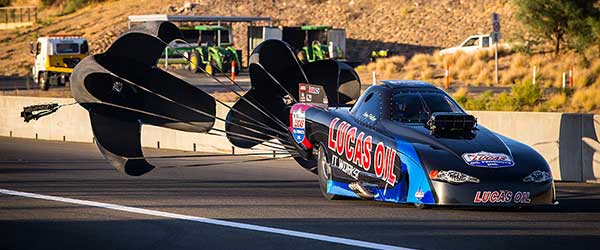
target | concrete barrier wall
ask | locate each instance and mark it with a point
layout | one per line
(569, 142)
(71, 123)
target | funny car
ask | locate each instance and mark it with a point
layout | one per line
(410, 142)
(399, 141)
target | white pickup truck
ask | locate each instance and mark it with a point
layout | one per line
(472, 44)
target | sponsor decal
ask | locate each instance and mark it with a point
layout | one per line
(312, 93)
(117, 86)
(419, 194)
(298, 125)
(502, 196)
(369, 116)
(356, 147)
(302, 92)
(345, 167)
(488, 160)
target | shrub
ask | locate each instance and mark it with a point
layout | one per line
(460, 95)
(485, 77)
(72, 6)
(464, 62)
(476, 68)
(526, 93)
(409, 74)
(385, 65)
(519, 61)
(485, 54)
(48, 2)
(464, 76)
(480, 102)
(586, 100)
(583, 78)
(512, 76)
(428, 74)
(595, 67)
(556, 102)
(421, 60)
(452, 58)
(503, 102)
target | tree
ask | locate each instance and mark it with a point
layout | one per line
(594, 23)
(4, 3)
(554, 20)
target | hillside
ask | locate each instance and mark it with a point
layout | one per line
(406, 27)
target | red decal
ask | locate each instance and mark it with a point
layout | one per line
(358, 150)
(367, 153)
(494, 197)
(501, 196)
(341, 132)
(350, 136)
(386, 172)
(331, 141)
(485, 197)
(477, 197)
(391, 177)
(379, 159)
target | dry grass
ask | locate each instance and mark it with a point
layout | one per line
(556, 102)
(463, 63)
(477, 69)
(586, 100)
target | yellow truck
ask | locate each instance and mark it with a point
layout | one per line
(55, 57)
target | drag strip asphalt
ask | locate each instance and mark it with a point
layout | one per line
(57, 195)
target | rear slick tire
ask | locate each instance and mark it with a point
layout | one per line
(324, 174)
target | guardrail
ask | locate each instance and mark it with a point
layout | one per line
(12, 17)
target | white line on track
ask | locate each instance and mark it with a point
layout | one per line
(312, 236)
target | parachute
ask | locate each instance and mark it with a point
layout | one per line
(123, 88)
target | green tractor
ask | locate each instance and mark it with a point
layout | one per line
(316, 42)
(207, 47)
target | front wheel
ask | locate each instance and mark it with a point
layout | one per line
(194, 61)
(212, 68)
(43, 81)
(324, 172)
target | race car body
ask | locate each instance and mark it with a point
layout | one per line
(409, 142)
